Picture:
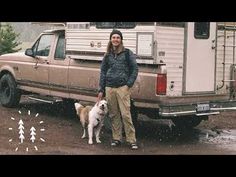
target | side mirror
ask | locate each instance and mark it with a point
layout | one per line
(29, 52)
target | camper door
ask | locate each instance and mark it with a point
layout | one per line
(199, 65)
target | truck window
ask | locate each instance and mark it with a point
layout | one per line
(44, 45)
(60, 49)
(201, 30)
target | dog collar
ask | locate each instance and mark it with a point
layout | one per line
(102, 114)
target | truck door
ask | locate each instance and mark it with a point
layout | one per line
(42, 52)
(58, 71)
(199, 68)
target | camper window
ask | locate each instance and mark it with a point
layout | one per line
(172, 24)
(80, 25)
(201, 30)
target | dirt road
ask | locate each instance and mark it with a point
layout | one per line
(58, 133)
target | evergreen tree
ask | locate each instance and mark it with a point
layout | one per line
(8, 40)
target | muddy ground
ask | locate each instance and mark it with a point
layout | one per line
(59, 133)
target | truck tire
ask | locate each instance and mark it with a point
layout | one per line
(9, 94)
(134, 116)
(188, 122)
(69, 108)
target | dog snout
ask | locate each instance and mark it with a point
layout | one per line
(102, 107)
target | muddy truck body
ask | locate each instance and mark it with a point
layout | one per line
(187, 70)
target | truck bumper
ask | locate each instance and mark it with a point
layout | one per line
(197, 109)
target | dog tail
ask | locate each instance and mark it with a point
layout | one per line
(78, 108)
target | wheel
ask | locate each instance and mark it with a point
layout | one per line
(188, 122)
(134, 116)
(9, 94)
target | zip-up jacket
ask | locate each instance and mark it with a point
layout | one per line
(118, 70)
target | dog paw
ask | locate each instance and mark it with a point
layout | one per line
(90, 142)
(83, 137)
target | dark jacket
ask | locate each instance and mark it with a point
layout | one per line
(117, 70)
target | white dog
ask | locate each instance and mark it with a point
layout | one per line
(93, 117)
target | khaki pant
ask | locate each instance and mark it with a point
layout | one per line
(119, 111)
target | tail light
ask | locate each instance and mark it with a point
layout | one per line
(161, 84)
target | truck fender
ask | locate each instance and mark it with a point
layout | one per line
(7, 69)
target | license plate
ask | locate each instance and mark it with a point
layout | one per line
(203, 107)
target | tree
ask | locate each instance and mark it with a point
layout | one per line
(8, 40)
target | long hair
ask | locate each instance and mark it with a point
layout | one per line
(110, 48)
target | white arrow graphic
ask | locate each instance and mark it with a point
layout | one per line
(32, 133)
(21, 122)
(21, 132)
(32, 129)
(21, 127)
(32, 139)
(21, 138)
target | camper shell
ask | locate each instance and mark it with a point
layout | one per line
(197, 60)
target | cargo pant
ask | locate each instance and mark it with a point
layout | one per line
(119, 111)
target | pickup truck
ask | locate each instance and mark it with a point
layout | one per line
(181, 75)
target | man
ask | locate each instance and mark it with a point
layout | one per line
(119, 71)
